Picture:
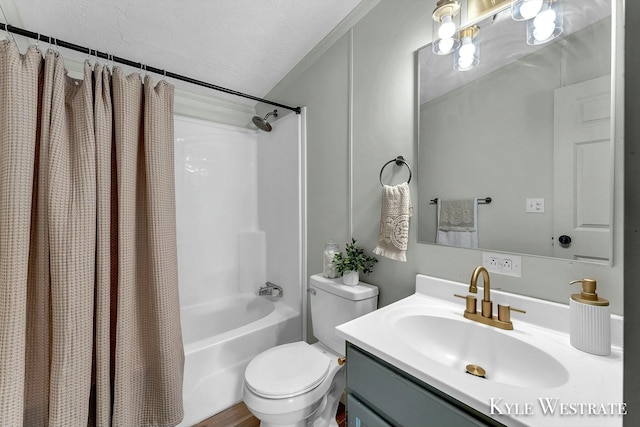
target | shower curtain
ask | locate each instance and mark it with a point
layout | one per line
(89, 312)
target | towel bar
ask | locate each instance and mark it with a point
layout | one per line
(399, 161)
(483, 200)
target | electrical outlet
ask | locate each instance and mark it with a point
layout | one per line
(535, 206)
(508, 264)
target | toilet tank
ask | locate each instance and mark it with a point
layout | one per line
(333, 303)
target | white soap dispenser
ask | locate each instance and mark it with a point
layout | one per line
(590, 320)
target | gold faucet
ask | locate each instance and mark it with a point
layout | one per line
(503, 321)
(487, 305)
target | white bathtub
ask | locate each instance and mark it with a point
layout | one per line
(220, 339)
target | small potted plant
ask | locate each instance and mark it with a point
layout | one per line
(352, 262)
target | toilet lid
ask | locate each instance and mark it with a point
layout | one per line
(287, 370)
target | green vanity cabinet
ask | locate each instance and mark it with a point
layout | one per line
(380, 395)
(362, 416)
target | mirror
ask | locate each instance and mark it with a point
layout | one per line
(530, 128)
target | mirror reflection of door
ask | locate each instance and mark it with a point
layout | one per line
(582, 170)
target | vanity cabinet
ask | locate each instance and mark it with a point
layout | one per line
(380, 395)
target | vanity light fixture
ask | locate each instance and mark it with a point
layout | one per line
(546, 26)
(468, 55)
(447, 21)
(543, 18)
(477, 10)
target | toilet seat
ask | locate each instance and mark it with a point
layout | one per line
(286, 371)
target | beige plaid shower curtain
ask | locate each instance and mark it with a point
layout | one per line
(89, 311)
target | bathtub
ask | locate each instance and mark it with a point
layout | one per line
(220, 339)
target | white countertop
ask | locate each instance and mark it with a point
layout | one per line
(590, 396)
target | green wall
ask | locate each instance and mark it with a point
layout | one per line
(361, 101)
(324, 90)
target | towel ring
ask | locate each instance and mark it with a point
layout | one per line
(399, 161)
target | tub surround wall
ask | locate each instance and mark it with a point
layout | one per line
(212, 106)
(239, 215)
(252, 255)
(280, 210)
(216, 198)
(239, 223)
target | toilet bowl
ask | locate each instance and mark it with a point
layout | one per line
(294, 385)
(300, 384)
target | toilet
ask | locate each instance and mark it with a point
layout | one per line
(300, 384)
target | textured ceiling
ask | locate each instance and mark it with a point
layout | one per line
(244, 45)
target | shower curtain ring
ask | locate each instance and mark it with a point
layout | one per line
(6, 26)
(37, 42)
(9, 33)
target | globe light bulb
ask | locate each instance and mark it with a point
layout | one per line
(468, 49)
(465, 62)
(544, 25)
(447, 27)
(543, 33)
(530, 8)
(445, 45)
(545, 18)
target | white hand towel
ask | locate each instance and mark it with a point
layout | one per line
(394, 222)
(457, 223)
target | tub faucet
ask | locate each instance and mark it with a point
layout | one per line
(269, 289)
(503, 320)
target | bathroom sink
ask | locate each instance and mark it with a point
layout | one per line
(426, 336)
(458, 342)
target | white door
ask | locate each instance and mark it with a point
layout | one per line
(583, 170)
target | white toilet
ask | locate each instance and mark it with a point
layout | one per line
(297, 384)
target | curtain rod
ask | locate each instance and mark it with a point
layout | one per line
(61, 43)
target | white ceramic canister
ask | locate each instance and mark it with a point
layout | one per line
(590, 320)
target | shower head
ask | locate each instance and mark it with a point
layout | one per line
(262, 123)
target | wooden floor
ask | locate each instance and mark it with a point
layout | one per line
(239, 416)
(236, 416)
